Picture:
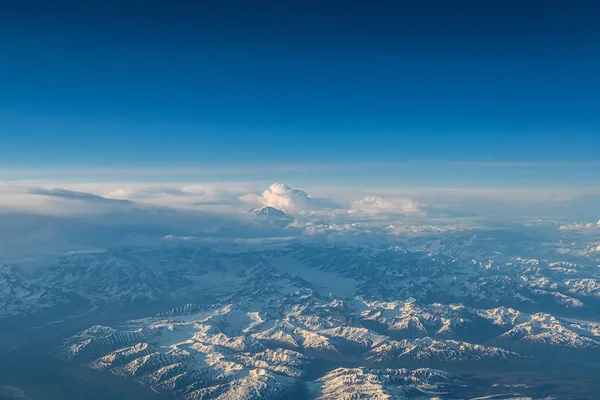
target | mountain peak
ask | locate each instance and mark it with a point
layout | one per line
(270, 212)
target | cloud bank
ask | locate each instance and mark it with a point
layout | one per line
(374, 205)
(50, 216)
(580, 226)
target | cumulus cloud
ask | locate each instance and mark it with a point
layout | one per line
(288, 199)
(373, 205)
(577, 226)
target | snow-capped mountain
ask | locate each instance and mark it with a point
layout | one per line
(364, 383)
(263, 344)
(270, 212)
(266, 340)
(431, 351)
(385, 273)
(116, 276)
(21, 296)
(544, 329)
(321, 319)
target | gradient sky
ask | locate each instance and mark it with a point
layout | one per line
(163, 84)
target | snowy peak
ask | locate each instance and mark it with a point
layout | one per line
(364, 383)
(544, 329)
(435, 351)
(270, 212)
(263, 344)
(19, 296)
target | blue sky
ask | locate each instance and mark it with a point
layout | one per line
(107, 84)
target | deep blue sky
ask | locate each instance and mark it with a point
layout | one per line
(91, 83)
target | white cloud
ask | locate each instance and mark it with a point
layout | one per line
(209, 197)
(372, 205)
(282, 196)
(74, 215)
(408, 230)
(507, 195)
(288, 199)
(576, 226)
(55, 201)
(72, 198)
(53, 219)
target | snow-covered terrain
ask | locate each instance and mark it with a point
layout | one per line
(20, 296)
(363, 383)
(415, 315)
(264, 340)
